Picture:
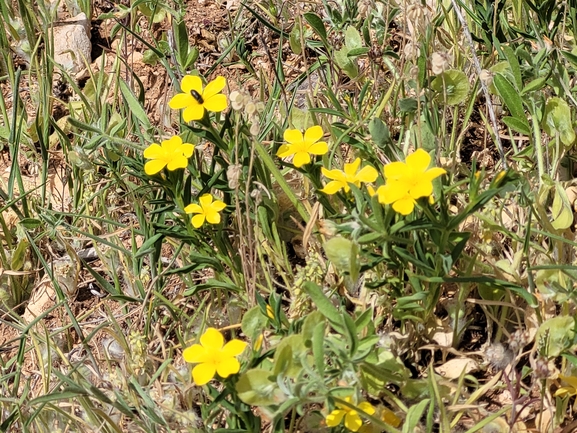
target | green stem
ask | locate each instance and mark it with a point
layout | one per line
(537, 145)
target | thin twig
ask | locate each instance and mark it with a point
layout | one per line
(483, 85)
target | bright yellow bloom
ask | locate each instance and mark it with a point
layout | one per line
(212, 356)
(352, 418)
(303, 147)
(207, 210)
(408, 181)
(172, 153)
(567, 390)
(195, 99)
(351, 174)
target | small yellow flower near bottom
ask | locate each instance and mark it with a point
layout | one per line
(353, 421)
(212, 356)
(567, 390)
(207, 209)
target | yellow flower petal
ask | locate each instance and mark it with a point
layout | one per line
(390, 417)
(353, 421)
(212, 216)
(367, 174)
(187, 149)
(419, 160)
(153, 151)
(351, 169)
(216, 103)
(332, 187)
(366, 407)
(571, 380)
(434, 172)
(233, 348)
(212, 339)
(313, 134)
(212, 88)
(191, 82)
(404, 206)
(227, 367)
(180, 100)
(284, 151)
(395, 170)
(154, 166)
(565, 390)
(193, 208)
(177, 162)
(258, 342)
(333, 174)
(194, 111)
(218, 205)
(205, 200)
(334, 418)
(293, 136)
(198, 220)
(391, 192)
(301, 158)
(421, 189)
(319, 148)
(172, 144)
(203, 373)
(195, 354)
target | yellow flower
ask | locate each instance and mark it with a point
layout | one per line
(567, 390)
(352, 419)
(408, 181)
(207, 210)
(303, 147)
(195, 99)
(269, 311)
(172, 153)
(351, 174)
(212, 356)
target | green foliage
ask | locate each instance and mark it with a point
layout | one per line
(352, 302)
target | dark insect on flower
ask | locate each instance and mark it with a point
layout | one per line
(197, 96)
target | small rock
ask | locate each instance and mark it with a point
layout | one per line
(72, 46)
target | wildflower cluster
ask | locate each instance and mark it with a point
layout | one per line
(173, 154)
(405, 181)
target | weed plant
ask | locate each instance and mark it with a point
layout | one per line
(353, 216)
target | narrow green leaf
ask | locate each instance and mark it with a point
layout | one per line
(324, 305)
(511, 98)
(134, 106)
(517, 125)
(148, 246)
(513, 64)
(318, 348)
(317, 25)
(536, 84)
